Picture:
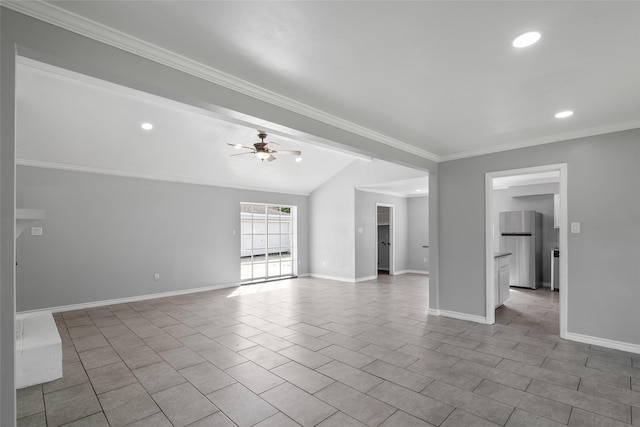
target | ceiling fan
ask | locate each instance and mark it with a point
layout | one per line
(263, 150)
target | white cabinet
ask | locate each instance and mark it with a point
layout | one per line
(501, 277)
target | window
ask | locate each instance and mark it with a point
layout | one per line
(267, 242)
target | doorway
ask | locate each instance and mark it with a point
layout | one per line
(385, 244)
(492, 247)
(267, 242)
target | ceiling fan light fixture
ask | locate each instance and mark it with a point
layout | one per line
(262, 155)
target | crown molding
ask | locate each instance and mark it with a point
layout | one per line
(581, 133)
(59, 17)
(140, 175)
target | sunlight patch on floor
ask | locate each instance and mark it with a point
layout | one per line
(259, 288)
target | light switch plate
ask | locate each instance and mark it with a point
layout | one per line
(36, 231)
(575, 227)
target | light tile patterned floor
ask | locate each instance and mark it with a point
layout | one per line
(314, 352)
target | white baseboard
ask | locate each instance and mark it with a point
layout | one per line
(337, 279)
(460, 316)
(304, 275)
(433, 312)
(364, 279)
(93, 304)
(603, 342)
(425, 272)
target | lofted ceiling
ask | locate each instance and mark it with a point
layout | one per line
(67, 120)
(438, 79)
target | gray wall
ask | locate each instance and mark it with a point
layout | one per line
(418, 210)
(334, 215)
(104, 237)
(604, 260)
(543, 203)
(365, 242)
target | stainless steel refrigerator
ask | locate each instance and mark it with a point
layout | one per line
(521, 234)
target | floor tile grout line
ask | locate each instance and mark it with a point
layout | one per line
(379, 329)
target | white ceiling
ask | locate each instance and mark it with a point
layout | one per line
(71, 121)
(439, 78)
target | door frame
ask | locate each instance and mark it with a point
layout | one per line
(293, 233)
(392, 238)
(490, 316)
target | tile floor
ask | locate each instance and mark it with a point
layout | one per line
(313, 352)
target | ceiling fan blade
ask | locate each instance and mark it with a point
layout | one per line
(238, 146)
(292, 152)
(240, 154)
(274, 143)
(271, 158)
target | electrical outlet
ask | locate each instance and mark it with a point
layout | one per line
(156, 276)
(575, 227)
(36, 231)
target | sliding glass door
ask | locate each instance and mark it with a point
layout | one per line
(267, 242)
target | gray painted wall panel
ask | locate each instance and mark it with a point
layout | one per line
(604, 260)
(365, 242)
(418, 210)
(104, 237)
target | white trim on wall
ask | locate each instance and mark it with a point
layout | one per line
(139, 175)
(62, 18)
(457, 315)
(489, 240)
(335, 278)
(425, 272)
(102, 303)
(547, 139)
(603, 342)
(364, 279)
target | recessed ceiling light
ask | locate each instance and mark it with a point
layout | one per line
(146, 126)
(418, 190)
(298, 159)
(237, 146)
(564, 114)
(526, 39)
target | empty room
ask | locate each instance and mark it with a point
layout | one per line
(320, 213)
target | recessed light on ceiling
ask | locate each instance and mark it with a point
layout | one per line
(526, 39)
(146, 126)
(564, 114)
(237, 146)
(418, 190)
(298, 159)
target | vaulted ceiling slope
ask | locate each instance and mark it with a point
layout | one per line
(71, 121)
(440, 79)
